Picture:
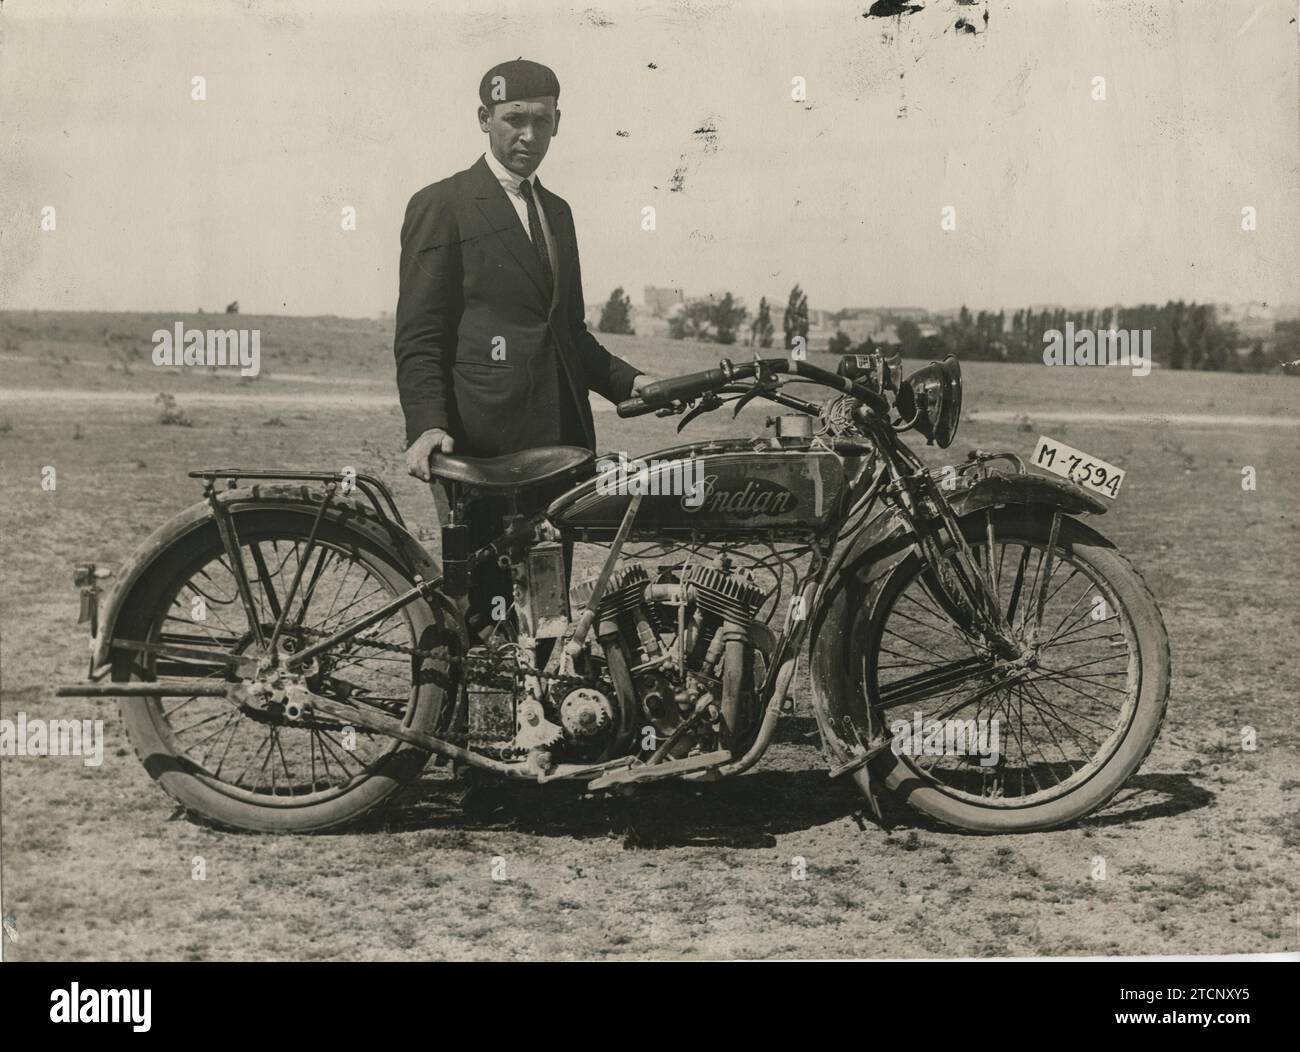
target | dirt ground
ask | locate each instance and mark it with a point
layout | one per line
(1199, 850)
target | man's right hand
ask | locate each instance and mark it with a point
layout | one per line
(435, 440)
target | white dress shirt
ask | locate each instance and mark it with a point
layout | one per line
(510, 184)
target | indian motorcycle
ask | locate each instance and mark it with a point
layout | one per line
(288, 655)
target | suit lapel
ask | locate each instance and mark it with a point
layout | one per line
(501, 216)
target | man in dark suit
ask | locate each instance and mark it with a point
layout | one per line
(493, 352)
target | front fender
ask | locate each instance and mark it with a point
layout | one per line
(885, 539)
(883, 542)
(1000, 488)
(357, 514)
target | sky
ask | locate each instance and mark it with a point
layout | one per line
(166, 203)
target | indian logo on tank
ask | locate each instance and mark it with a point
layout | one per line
(756, 497)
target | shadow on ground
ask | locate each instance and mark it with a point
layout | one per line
(746, 812)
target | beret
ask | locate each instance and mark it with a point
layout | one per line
(519, 79)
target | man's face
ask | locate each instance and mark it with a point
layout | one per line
(520, 132)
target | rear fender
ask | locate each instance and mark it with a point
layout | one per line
(358, 515)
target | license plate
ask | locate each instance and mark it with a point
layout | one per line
(1080, 468)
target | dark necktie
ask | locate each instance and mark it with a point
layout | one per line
(571, 431)
(535, 233)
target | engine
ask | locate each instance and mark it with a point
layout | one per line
(679, 640)
(672, 666)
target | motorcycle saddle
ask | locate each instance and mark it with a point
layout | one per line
(513, 471)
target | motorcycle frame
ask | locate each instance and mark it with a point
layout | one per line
(921, 506)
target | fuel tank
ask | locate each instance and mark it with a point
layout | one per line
(720, 488)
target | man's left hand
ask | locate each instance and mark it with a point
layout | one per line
(641, 380)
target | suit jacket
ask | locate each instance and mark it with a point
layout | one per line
(471, 281)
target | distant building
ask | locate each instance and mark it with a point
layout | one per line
(660, 302)
(858, 324)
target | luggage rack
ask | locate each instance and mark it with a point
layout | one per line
(370, 487)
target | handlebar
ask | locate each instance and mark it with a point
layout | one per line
(676, 388)
(635, 407)
(679, 388)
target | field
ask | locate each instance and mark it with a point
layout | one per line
(1199, 850)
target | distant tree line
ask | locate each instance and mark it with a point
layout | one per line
(1183, 336)
(709, 320)
(715, 320)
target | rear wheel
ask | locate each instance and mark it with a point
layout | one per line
(992, 744)
(260, 770)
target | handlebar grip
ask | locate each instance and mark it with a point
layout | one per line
(634, 407)
(661, 392)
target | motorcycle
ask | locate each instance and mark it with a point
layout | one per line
(288, 654)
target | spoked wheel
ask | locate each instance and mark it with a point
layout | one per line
(1000, 742)
(269, 767)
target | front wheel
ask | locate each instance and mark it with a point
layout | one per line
(992, 743)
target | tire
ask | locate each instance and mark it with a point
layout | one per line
(382, 767)
(871, 617)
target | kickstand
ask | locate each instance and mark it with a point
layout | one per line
(867, 783)
(868, 786)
